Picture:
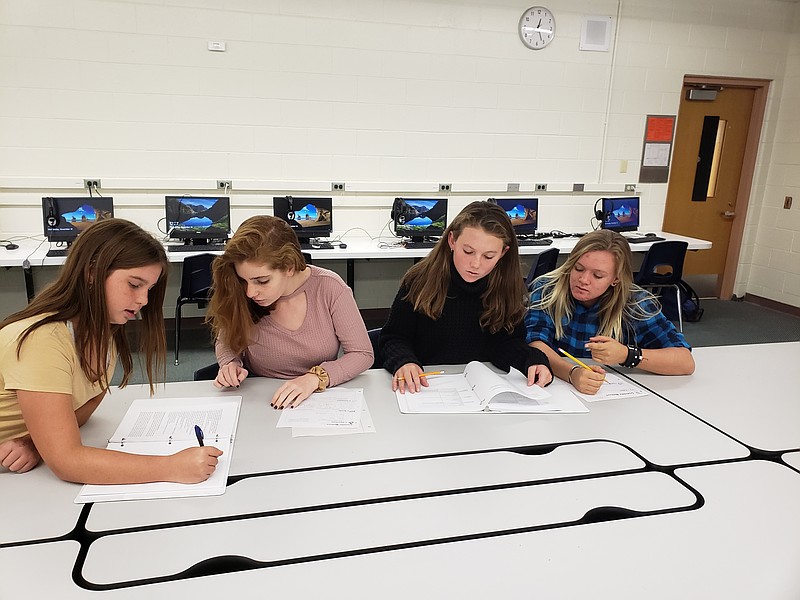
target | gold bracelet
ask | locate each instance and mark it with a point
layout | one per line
(324, 378)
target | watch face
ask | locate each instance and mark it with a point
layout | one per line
(537, 27)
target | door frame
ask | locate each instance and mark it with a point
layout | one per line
(761, 89)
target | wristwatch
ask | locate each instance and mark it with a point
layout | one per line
(324, 379)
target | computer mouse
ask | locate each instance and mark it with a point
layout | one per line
(342, 245)
(650, 234)
(11, 246)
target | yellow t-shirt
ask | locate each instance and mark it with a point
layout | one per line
(48, 362)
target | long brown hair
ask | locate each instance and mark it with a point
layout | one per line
(617, 303)
(78, 295)
(264, 240)
(504, 298)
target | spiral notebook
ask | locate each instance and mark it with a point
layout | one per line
(162, 426)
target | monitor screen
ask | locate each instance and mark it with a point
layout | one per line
(193, 217)
(620, 214)
(419, 217)
(523, 212)
(65, 218)
(309, 217)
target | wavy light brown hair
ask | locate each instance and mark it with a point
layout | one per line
(264, 240)
(619, 303)
(78, 295)
(504, 298)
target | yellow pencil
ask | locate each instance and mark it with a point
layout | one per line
(580, 362)
(424, 375)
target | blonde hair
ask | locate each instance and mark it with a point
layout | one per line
(78, 295)
(264, 240)
(619, 304)
(504, 299)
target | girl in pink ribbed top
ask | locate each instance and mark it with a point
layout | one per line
(275, 316)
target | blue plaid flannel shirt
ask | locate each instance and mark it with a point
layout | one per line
(655, 332)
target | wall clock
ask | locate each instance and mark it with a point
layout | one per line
(537, 27)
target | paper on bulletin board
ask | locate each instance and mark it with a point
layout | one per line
(656, 155)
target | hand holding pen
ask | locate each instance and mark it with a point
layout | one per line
(411, 377)
(196, 464)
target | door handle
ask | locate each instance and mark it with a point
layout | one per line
(728, 213)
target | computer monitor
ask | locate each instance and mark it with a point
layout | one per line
(199, 219)
(64, 218)
(620, 214)
(309, 217)
(419, 218)
(523, 212)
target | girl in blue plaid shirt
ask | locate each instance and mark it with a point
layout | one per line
(591, 308)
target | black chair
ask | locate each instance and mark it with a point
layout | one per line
(195, 289)
(307, 258)
(662, 266)
(374, 336)
(206, 373)
(544, 262)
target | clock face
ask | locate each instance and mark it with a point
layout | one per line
(537, 27)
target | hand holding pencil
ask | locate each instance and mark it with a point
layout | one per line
(411, 377)
(584, 378)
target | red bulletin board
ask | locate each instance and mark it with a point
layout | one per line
(659, 129)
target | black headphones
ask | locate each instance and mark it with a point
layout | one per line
(52, 218)
(599, 214)
(397, 208)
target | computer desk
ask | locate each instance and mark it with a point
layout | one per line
(357, 249)
(639, 498)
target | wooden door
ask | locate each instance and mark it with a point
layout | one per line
(708, 211)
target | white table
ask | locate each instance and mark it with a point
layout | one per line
(357, 249)
(486, 505)
(747, 391)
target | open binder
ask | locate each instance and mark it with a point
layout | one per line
(480, 389)
(163, 426)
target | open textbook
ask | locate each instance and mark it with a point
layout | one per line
(162, 426)
(480, 389)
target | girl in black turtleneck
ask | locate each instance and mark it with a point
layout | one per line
(464, 301)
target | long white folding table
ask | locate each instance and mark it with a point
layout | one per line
(34, 253)
(638, 498)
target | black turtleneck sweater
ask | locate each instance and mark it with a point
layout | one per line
(456, 337)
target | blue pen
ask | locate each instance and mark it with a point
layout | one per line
(199, 433)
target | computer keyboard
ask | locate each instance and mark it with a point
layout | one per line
(196, 248)
(417, 245)
(644, 238)
(534, 242)
(316, 246)
(57, 252)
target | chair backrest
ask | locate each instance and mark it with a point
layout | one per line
(544, 262)
(307, 257)
(206, 373)
(662, 264)
(374, 336)
(196, 276)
